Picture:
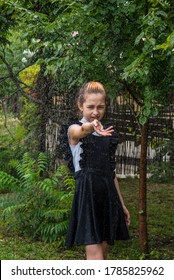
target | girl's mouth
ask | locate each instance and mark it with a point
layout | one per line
(94, 118)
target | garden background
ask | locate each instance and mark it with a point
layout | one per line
(48, 49)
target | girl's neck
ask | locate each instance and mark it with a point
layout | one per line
(84, 120)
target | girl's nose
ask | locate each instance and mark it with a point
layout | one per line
(95, 112)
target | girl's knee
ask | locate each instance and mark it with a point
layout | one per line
(105, 248)
(94, 252)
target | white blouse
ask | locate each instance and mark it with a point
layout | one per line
(77, 150)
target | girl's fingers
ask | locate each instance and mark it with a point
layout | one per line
(106, 133)
(109, 128)
(100, 130)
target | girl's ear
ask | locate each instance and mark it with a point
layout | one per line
(80, 106)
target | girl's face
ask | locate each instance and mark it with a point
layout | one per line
(93, 106)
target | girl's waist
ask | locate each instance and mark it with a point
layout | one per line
(94, 170)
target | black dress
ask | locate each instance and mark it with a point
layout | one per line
(97, 213)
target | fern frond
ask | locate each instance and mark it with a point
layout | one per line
(38, 207)
(52, 232)
(7, 182)
(59, 228)
(11, 209)
(56, 214)
(66, 197)
(42, 162)
(67, 180)
(47, 185)
(9, 199)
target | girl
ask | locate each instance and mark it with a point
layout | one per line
(98, 215)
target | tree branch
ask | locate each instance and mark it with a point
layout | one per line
(129, 89)
(17, 82)
(5, 119)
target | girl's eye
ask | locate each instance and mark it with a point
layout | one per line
(99, 107)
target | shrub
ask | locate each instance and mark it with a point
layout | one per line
(39, 205)
(162, 169)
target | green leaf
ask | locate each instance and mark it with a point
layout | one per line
(139, 37)
(142, 119)
(154, 112)
(146, 112)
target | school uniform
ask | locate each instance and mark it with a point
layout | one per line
(97, 214)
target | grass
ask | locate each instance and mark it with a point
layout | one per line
(160, 201)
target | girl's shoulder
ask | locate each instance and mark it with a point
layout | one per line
(74, 126)
(65, 151)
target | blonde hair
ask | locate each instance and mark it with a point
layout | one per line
(90, 87)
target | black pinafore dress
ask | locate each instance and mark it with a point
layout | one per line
(97, 214)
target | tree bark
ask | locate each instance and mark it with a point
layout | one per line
(142, 214)
(44, 93)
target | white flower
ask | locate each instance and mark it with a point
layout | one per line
(28, 53)
(24, 60)
(35, 40)
(74, 33)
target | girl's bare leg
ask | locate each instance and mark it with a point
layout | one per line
(105, 248)
(94, 252)
(97, 251)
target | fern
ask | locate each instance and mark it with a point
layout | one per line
(11, 209)
(47, 185)
(38, 207)
(61, 227)
(56, 213)
(42, 162)
(8, 200)
(7, 182)
(50, 233)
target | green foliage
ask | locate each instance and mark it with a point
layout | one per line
(7, 182)
(162, 172)
(160, 223)
(127, 45)
(29, 76)
(12, 135)
(30, 119)
(12, 53)
(39, 206)
(7, 20)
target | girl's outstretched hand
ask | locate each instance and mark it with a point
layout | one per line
(98, 127)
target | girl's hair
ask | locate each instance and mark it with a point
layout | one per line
(90, 87)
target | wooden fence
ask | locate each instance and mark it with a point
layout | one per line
(122, 115)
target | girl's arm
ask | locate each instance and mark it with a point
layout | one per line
(126, 212)
(76, 131)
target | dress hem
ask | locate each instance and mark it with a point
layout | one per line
(111, 243)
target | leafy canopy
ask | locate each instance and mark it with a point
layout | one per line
(127, 45)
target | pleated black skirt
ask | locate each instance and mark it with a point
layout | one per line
(97, 214)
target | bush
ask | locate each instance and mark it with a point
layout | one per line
(38, 205)
(12, 143)
(162, 172)
(162, 169)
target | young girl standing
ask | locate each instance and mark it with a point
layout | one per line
(98, 216)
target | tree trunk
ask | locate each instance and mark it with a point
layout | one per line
(44, 93)
(42, 128)
(142, 215)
